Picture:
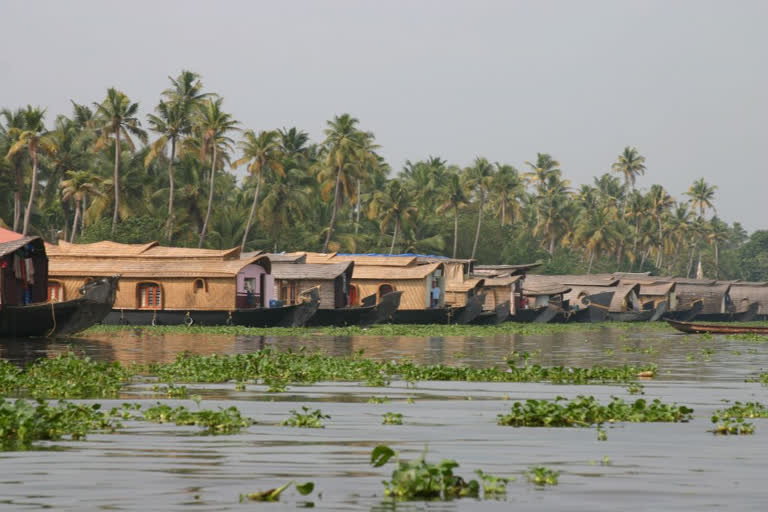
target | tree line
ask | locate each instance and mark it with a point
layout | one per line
(106, 172)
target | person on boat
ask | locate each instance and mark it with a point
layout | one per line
(435, 294)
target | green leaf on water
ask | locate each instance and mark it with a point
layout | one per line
(306, 488)
(381, 455)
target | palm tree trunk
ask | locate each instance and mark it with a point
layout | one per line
(357, 220)
(171, 193)
(503, 212)
(32, 190)
(210, 198)
(333, 211)
(253, 212)
(661, 245)
(717, 263)
(455, 229)
(552, 245)
(479, 219)
(591, 258)
(116, 182)
(17, 198)
(619, 253)
(82, 217)
(74, 222)
(690, 260)
(394, 236)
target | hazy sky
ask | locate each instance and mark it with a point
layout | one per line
(686, 82)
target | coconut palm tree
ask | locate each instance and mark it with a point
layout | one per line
(659, 202)
(629, 164)
(479, 178)
(78, 185)
(718, 234)
(186, 88)
(454, 197)
(344, 144)
(14, 126)
(262, 153)
(35, 139)
(506, 189)
(392, 205)
(552, 207)
(541, 171)
(213, 125)
(596, 231)
(172, 122)
(116, 117)
(285, 203)
(702, 196)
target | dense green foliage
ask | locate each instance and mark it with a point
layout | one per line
(97, 174)
(22, 422)
(65, 376)
(307, 418)
(585, 411)
(224, 421)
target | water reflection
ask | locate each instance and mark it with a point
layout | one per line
(678, 357)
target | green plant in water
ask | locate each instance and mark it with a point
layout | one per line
(602, 435)
(22, 422)
(171, 390)
(542, 476)
(493, 485)
(224, 421)
(392, 418)
(274, 494)
(306, 419)
(586, 411)
(421, 480)
(635, 388)
(732, 421)
(378, 400)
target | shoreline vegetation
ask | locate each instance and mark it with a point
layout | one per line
(173, 172)
(397, 329)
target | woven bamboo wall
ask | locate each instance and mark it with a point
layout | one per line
(752, 293)
(495, 295)
(414, 290)
(713, 297)
(178, 293)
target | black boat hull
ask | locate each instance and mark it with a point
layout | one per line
(60, 318)
(495, 316)
(748, 315)
(444, 315)
(362, 316)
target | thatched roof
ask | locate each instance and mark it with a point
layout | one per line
(108, 249)
(299, 271)
(515, 269)
(285, 257)
(536, 280)
(620, 295)
(545, 290)
(14, 245)
(657, 288)
(464, 286)
(711, 293)
(150, 268)
(382, 273)
(502, 280)
(379, 261)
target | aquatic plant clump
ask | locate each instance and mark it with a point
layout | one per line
(732, 421)
(422, 480)
(306, 419)
(542, 476)
(22, 422)
(272, 367)
(224, 421)
(65, 376)
(586, 411)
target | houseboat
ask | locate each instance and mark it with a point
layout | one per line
(340, 302)
(180, 286)
(32, 306)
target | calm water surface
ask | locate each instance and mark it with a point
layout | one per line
(651, 466)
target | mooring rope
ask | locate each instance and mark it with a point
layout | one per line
(53, 316)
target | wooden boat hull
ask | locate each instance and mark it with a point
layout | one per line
(583, 315)
(685, 315)
(295, 315)
(444, 315)
(363, 316)
(701, 328)
(748, 315)
(497, 315)
(631, 316)
(60, 318)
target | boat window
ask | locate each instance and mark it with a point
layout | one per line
(150, 296)
(385, 289)
(200, 285)
(55, 291)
